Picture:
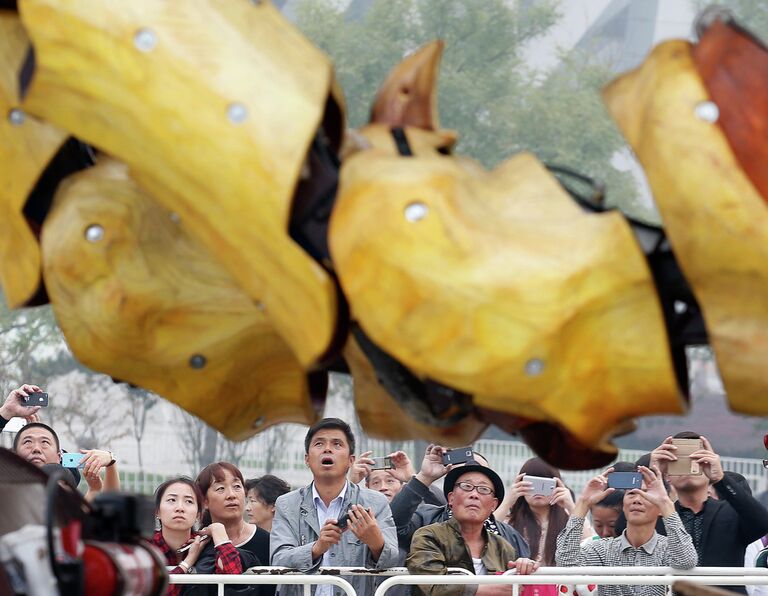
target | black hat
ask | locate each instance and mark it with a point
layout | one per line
(452, 476)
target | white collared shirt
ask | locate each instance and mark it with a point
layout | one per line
(333, 511)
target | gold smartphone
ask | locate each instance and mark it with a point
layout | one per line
(684, 465)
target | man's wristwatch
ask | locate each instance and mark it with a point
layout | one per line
(112, 459)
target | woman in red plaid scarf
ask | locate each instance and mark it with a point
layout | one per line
(178, 505)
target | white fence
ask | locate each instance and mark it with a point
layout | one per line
(633, 576)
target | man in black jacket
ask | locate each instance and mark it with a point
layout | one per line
(721, 528)
(410, 513)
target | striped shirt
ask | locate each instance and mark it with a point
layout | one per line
(673, 550)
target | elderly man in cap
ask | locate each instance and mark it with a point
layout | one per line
(473, 492)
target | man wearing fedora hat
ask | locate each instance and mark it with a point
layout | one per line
(411, 512)
(473, 492)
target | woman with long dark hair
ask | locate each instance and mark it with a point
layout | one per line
(178, 506)
(540, 518)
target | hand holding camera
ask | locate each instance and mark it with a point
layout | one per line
(361, 468)
(18, 403)
(708, 461)
(687, 457)
(362, 523)
(594, 492)
(432, 466)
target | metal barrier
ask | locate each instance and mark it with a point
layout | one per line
(631, 576)
(247, 579)
(285, 575)
(647, 576)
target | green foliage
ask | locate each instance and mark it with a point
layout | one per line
(498, 105)
(32, 348)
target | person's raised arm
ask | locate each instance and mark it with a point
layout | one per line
(569, 552)
(519, 488)
(753, 516)
(414, 491)
(403, 468)
(14, 405)
(681, 552)
(362, 467)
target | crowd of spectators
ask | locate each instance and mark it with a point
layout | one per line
(358, 513)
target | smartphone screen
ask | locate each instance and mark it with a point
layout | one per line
(72, 460)
(382, 463)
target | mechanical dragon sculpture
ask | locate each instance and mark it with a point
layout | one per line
(179, 184)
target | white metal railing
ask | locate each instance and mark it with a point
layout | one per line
(647, 576)
(628, 576)
(272, 575)
(224, 580)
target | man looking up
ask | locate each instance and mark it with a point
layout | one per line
(639, 545)
(411, 513)
(39, 444)
(306, 533)
(721, 529)
(473, 492)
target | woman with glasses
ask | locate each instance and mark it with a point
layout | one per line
(261, 494)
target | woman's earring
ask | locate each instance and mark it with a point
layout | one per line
(158, 525)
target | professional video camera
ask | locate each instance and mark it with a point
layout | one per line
(53, 542)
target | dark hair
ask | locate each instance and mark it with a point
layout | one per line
(333, 423)
(522, 518)
(269, 487)
(160, 491)
(215, 473)
(613, 500)
(23, 429)
(687, 434)
(644, 460)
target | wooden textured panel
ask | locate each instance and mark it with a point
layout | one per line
(25, 150)
(734, 69)
(213, 107)
(141, 302)
(715, 219)
(503, 272)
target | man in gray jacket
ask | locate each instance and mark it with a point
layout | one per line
(309, 529)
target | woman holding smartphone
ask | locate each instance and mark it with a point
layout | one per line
(539, 509)
(223, 490)
(178, 506)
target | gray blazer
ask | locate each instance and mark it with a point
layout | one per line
(295, 530)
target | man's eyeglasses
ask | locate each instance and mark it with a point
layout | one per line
(468, 487)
